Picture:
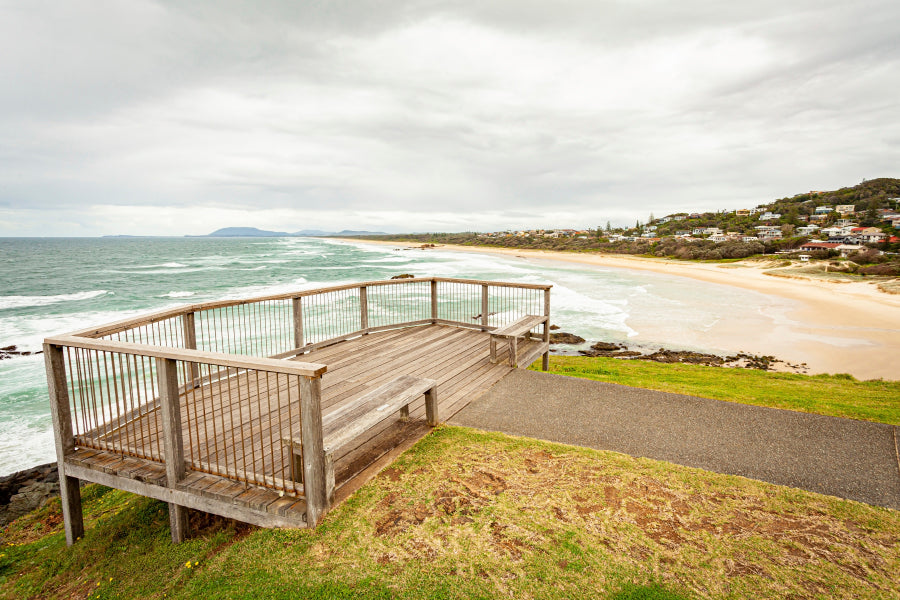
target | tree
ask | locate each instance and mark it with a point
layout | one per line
(608, 226)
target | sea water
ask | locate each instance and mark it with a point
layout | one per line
(51, 286)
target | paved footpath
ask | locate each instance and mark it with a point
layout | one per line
(841, 457)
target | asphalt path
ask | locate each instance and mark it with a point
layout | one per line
(850, 459)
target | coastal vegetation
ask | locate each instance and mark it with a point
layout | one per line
(741, 233)
(468, 514)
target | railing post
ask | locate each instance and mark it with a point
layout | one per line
(363, 309)
(484, 307)
(173, 448)
(298, 322)
(545, 360)
(190, 341)
(314, 479)
(69, 491)
(434, 301)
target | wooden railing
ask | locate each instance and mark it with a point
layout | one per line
(203, 387)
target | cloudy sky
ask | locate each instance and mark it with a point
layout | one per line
(149, 117)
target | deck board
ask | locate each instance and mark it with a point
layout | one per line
(239, 454)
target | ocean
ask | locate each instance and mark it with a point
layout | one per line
(55, 285)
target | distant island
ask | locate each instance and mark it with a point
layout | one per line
(254, 232)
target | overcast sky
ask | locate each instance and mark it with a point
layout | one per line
(147, 117)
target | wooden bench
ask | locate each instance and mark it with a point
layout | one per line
(520, 328)
(361, 414)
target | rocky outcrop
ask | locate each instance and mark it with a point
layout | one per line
(404, 276)
(565, 338)
(13, 351)
(663, 355)
(608, 349)
(25, 491)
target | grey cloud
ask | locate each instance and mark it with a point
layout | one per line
(443, 111)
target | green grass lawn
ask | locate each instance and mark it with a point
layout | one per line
(467, 514)
(834, 395)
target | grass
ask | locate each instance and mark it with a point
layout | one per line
(468, 514)
(835, 395)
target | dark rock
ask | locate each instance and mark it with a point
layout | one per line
(11, 351)
(404, 276)
(554, 327)
(24, 491)
(565, 338)
(683, 356)
(607, 346)
(490, 314)
(611, 353)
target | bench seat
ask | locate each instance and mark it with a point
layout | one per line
(361, 414)
(515, 330)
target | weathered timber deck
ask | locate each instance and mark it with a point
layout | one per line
(456, 358)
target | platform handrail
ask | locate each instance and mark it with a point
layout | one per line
(272, 365)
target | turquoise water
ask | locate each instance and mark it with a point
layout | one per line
(52, 286)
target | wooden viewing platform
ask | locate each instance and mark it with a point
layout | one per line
(270, 410)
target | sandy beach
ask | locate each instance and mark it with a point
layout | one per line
(849, 327)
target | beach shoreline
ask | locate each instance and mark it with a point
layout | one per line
(847, 327)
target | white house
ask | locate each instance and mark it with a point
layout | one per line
(768, 216)
(823, 210)
(845, 209)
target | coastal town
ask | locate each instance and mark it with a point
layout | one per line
(858, 226)
(829, 227)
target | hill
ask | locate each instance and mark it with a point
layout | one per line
(246, 232)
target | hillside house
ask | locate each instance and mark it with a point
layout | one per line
(769, 216)
(742, 212)
(845, 209)
(817, 245)
(823, 210)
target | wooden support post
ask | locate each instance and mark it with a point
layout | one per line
(173, 448)
(431, 406)
(314, 481)
(513, 351)
(298, 322)
(329, 477)
(190, 341)
(363, 309)
(434, 302)
(545, 360)
(484, 307)
(69, 490)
